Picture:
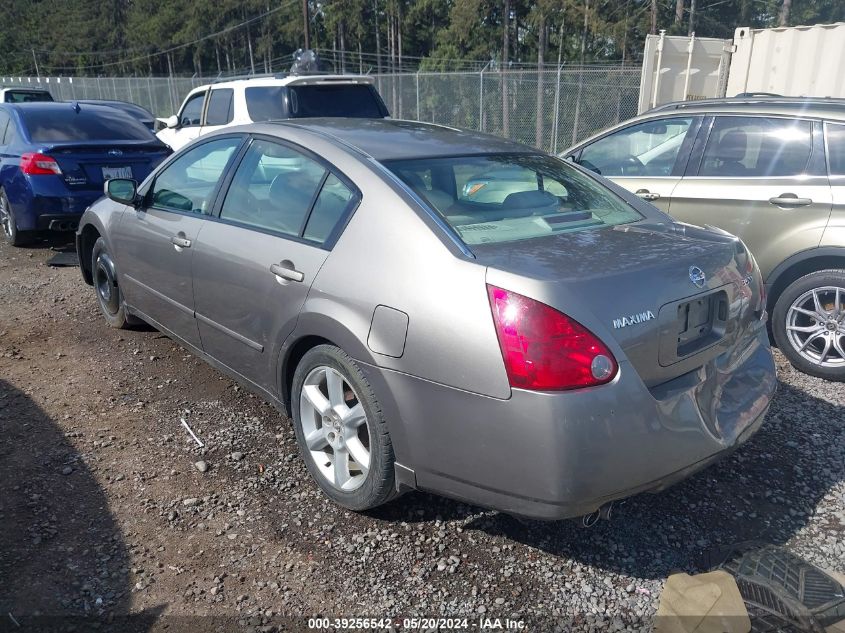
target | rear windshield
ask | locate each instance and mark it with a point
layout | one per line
(27, 96)
(88, 124)
(504, 198)
(265, 103)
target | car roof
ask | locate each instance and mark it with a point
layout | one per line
(286, 80)
(393, 139)
(820, 107)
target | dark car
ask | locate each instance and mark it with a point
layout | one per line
(132, 109)
(55, 158)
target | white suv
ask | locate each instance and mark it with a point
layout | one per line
(240, 101)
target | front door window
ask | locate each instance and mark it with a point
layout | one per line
(648, 149)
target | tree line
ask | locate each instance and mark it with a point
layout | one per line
(220, 37)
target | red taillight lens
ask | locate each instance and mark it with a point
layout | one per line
(545, 350)
(35, 164)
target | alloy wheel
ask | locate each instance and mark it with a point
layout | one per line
(334, 426)
(815, 326)
(106, 285)
(5, 217)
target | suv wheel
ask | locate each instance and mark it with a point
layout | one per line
(341, 431)
(808, 324)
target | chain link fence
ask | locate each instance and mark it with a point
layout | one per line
(548, 109)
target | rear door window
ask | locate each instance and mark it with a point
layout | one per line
(273, 189)
(757, 147)
(648, 149)
(835, 148)
(220, 111)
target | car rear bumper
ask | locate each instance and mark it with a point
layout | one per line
(41, 212)
(561, 455)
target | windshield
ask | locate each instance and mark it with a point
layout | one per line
(91, 123)
(503, 198)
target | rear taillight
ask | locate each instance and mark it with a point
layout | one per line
(34, 164)
(545, 350)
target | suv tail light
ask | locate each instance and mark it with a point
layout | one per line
(545, 350)
(35, 164)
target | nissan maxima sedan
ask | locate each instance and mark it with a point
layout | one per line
(543, 351)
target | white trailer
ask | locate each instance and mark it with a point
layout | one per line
(681, 68)
(796, 61)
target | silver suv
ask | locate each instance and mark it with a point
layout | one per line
(770, 170)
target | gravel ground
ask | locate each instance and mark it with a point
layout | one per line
(108, 508)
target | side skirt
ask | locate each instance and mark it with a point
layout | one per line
(243, 381)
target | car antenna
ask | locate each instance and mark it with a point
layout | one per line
(76, 107)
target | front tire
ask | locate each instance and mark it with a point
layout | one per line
(341, 431)
(109, 296)
(10, 229)
(808, 324)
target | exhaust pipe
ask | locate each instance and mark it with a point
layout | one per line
(63, 225)
(604, 512)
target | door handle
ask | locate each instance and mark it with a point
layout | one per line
(285, 272)
(645, 194)
(180, 242)
(790, 200)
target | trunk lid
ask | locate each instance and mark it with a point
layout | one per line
(86, 166)
(639, 286)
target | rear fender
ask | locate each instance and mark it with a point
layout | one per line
(315, 324)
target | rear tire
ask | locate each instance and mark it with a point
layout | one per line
(809, 327)
(10, 229)
(338, 420)
(109, 296)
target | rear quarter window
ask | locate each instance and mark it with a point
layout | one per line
(56, 125)
(836, 148)
(265, 103)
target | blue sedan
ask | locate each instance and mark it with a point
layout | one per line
(55, 158)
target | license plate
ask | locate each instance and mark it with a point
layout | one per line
(699, 320)
(116, 172)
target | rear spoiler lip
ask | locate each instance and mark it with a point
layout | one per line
(152, 144)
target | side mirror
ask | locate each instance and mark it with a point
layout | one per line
(172, 121)
(122, 190)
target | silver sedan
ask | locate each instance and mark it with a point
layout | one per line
(443, 310)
